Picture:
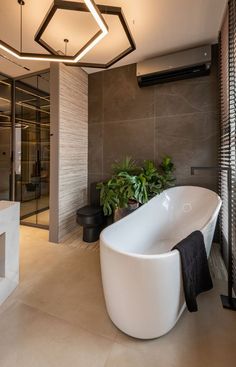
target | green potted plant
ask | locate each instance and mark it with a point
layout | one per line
(132, 185)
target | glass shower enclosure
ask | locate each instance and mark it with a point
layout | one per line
(25, 145)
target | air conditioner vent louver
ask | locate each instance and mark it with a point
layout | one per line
(186, 64)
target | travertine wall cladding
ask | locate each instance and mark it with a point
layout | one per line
(69, 147)
(179, 119)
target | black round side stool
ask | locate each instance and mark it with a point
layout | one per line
(93, 221)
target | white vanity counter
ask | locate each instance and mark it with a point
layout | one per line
(9, 248)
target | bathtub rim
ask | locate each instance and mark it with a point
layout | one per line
(169, 253)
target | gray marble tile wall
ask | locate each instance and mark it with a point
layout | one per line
(178, 118)
(69, 148)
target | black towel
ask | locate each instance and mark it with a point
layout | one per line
(195, 270)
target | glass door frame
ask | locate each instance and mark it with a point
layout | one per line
(12, 171)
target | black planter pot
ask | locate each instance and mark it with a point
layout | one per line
(123, 212)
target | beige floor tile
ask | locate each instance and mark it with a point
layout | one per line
(122, 356)
(31, 338)
(63, 281)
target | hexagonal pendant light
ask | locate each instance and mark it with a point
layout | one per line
(86, 6)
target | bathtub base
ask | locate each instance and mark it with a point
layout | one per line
(154, 334)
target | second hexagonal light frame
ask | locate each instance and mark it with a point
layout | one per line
(103, 9)
(74, 6)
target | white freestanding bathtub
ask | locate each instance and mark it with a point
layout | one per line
(141, 276)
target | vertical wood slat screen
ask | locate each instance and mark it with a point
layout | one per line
(227, 43)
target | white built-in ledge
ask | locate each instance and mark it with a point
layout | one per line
(9, 248)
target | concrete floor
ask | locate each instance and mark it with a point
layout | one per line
(57, 317)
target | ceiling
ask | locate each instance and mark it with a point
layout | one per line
(158, 27)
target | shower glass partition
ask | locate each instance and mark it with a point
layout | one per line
(29, 129)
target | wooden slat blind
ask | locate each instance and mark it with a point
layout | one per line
(227, 45)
